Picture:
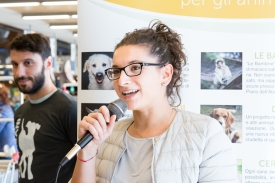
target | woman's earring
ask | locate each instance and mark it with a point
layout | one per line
(163, 83)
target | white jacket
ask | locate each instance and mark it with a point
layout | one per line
(193, 149)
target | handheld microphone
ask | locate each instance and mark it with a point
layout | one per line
(117, 107)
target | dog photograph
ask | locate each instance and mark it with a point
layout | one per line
(93, 74)
(87, 108)
(221, 70)
(229, 117)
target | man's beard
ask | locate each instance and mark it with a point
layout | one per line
(38, 81)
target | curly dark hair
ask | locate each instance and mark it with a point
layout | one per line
(165, 44)
(35, 43)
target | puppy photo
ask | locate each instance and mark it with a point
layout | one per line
(224, 115)
(226, 119)
(222, 73)
(95, 66)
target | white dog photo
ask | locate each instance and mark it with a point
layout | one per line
(222, 73)
(95, 66)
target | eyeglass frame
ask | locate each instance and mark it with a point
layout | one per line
(141, 65)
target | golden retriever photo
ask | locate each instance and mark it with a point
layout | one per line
(221, 70)
(224, 115)
(96, 78)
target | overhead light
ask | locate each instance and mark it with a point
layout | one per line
(32, 17)
(9, 66)
(63, 26)
(19, 4)
(75, 34)
(58, 3)
(74, 16)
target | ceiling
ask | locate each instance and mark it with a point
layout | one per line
(12, 16)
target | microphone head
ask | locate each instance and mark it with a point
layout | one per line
(117, 107)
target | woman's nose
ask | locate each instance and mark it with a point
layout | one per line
(124, 79)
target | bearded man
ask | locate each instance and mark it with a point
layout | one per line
(46, 123)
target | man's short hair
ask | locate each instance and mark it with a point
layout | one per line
(35, 43)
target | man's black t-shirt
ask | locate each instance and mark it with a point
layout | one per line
(46, 131)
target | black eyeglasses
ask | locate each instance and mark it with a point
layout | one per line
(130, 70)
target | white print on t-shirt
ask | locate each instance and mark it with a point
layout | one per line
(26, 144)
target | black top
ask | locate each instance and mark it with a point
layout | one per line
(45, 133)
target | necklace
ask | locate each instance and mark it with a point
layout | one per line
(163, 130)
(137, 132)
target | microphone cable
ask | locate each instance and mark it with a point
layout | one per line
(58, 169)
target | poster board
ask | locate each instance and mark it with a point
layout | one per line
(241, 32)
